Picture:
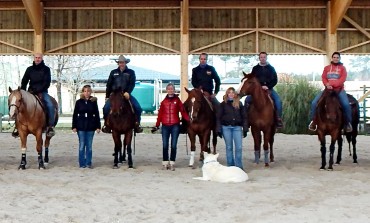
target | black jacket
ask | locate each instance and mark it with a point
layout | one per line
(123, 81)
(228, 115)
(39, 78)
(203, 78)
(86, 115)
(266, 75)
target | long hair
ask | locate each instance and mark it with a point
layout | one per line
(236, 99)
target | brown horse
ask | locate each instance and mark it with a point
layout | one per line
(350, 136)
(121, 120)
(330, 121)
(260, 117)
(202, 123)
(30, 118)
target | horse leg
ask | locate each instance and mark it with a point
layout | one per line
(257, 145)
(272, 158)
(128, 139)
(192, 148)
(122, 153)
(266, 140)
(39, 142)
(331, 156)
(340, 146)
(117, 147)
(323, 151)
(214, 141)
(47, 143)
(23, 138)
(354, 141)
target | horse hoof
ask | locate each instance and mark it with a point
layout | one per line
(131, 167)
(115, 166)
(22, 167)
(336, 164)
(322, 168)
(330, 169)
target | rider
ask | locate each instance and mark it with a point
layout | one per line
(333, 78)
(39, 78)
(203, 76)
(122, 79)
(266, 75)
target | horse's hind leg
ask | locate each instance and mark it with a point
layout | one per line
(331, 156)
(128, 139)
(354, 141)
(323, 152)
(39, 149)
(46, 156)
(117, 147)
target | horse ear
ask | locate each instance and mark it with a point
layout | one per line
(10, 90)
(19, 88)
(186, 89)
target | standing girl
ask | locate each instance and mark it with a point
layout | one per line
(168, 115)
(85, 122)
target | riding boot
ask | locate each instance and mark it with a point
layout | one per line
(279, 122)
(349, 127)
(50, 131)
(105, 127)
(15, 133)
(138, 128)
(312, 126)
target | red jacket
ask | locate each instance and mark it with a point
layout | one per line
(169, 109)
(334, 75)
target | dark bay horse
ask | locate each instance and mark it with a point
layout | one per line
(202, 122)
(121, 120)
(330, 121)
(350, 136)
(260, 117)
(27, 111)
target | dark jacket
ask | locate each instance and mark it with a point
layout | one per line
(39, 78)
(203, 78)
(123, 81)
(86, 115)
(228, 115)
(266, 75)
(169, 110)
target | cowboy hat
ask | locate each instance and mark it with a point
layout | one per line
(122, 59)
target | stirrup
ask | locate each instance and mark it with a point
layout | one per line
(138, 128)
(312, 126)
(279, 123)
(15, 133)
(50, 132)
(349, 127)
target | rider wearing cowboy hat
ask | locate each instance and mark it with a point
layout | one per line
(122, 79)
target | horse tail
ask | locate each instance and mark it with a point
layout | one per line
(214, 140)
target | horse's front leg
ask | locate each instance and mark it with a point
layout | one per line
(117, 147)
(340, 146)
(272, 134)
(23, 137)
(331, 155)
(39, 142)
(354, 141)
(257, 145)
(46, 151)
(214, 141)
(122, 153)
(128, 139)
(192, 148)
(266, 140)
(323, 150)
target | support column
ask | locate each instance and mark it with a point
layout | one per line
(184, 80)
(331, 37)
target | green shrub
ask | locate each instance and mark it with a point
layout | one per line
(296, 94)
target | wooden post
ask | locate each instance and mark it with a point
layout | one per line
(331, 37)
(184, 79)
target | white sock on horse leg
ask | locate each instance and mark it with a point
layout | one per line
(192, 155)
(24, 150)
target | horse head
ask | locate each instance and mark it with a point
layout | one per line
(329, 104)
(193, 103)
(116, 101)
(14, 102)
(248, 84)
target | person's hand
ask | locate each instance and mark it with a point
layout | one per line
(126, 95)
(98, 131)
(219, 134)
(154, 129)
(74, 130)
(265, 88)
(329, 87)
(245, 133)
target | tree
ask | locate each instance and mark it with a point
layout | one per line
(360, 68)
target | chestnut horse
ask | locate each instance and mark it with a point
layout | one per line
(350, 136)
(121, 120)
(30, 118)
(260, 117)
(202, 123)
(330, 121)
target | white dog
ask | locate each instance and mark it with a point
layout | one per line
(214, 171)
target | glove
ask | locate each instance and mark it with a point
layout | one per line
(245, 133)
(126, 95)
(154, 129)
(219, 134)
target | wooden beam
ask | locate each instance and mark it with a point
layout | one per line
(357, 26)
(338, 9)
(331, 42)
(34, 11)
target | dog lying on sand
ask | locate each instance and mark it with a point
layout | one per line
(214, 171)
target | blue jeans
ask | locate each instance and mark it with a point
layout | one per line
(137, 108)
(233, 135)
(50, 107)
(343, 100)
(275, 97)
(167, 131)
(85, 139)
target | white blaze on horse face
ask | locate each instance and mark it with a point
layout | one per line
(192, 108)
(12, 108)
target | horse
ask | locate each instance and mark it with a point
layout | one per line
(329, 119)
(260, 116)
(28, 112)
(202, 123)
(121, 120)
(350, 136)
